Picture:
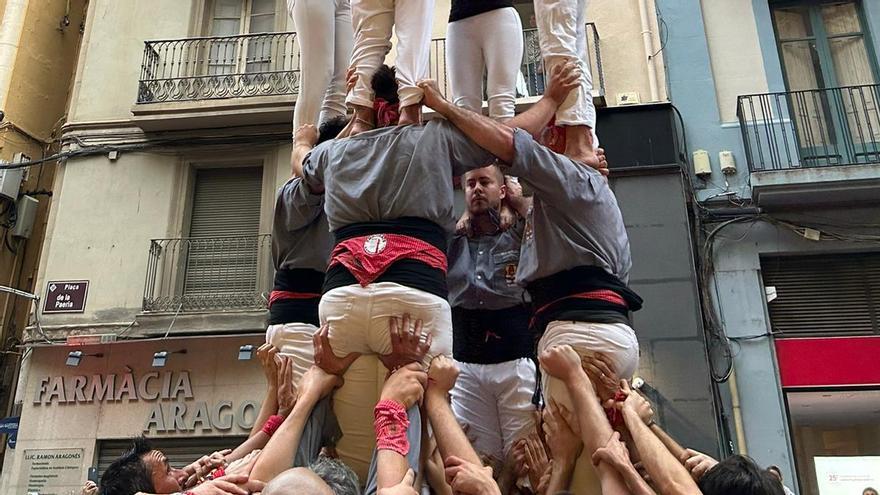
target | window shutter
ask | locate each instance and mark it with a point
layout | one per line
(223, 245)
(834, 294)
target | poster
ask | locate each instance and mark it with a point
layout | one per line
(847, 475)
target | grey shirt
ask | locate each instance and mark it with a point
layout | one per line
(574, 220)
(482, 270)
(393, 172)
(300, 235)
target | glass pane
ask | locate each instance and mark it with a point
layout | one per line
(836, 440)
(263, 7)
(793, 23)
(262, 23)
(227, 8)
(801, 62)
(225, 27)
(851, 63)
(841, 18)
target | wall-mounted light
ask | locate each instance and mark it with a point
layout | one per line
(74, 357)
(246, 352)
(161, 357)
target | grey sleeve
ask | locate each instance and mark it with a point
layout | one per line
(295, 206)
(442, 139)
(558, 180)
(315, 164)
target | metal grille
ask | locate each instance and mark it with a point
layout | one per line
(180, 451)
(837, 293)
(811, 128)
(212, 67)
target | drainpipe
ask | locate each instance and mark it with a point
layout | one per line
(648, 40)
(737, 416)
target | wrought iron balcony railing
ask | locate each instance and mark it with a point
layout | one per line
(811, 128)
(214, 67)
(532, 78)
(208, 274)
(268, 64)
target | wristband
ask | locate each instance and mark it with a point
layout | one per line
(391, 424)
(272, 424)
(217, 473)
(614, 416)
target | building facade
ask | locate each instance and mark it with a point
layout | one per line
(177, 137)
(779, 102)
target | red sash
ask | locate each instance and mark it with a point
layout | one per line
(368, 257)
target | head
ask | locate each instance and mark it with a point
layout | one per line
(739, 475)
(338, 477)
(141, 469)
(295, 481)
(869, 491)
(484, 189)
(329, 129)
(386, 103)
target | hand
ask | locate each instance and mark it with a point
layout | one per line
(600, 370)
(204, 465)
(563, 79)
(89, 488)
(324, 356)
(286, 394)
(614, 453)
(406, 386)
(306, 135)
(469, 479)
(635, 404)
(406, 343)
(266, 354)
(544, 482)
(536, 458)
(697, 463)
(563, 434)
(442, 375)
(234, 484)
(508, 216)
(405, 487)
(317, 384)
(433, 98)
(463, 226)
(562, 362)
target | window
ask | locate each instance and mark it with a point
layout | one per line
(223, 249)
(825, 52)
(824, 294)
(237, 17)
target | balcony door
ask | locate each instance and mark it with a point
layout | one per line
(830, 73)
(233, 19)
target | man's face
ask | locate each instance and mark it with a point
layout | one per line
(165, 478)
(484, 189)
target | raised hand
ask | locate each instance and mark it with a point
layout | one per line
(317, 383)
(442, 375)
(324, 356)
(405, 487)
(469, 479)
(561, 362)
(407, 343)
(600, 368)
(635, 404)
(697, 463)
(433, 98)
(563, 79)
(286, 394)
(306, 135)
(563, 433)
(266, 354)
(614, 453)
(406, 386)
(536, 458)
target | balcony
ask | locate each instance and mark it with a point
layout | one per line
(814, 146)
(208, 274)
(531, 80)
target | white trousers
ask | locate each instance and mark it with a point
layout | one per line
(562, 34)
(618, 342)
(325, 35)
(373, 22)
(358, 318)
(294, 340)
(490, 42)
(495, 400)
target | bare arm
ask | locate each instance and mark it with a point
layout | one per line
(563, 79)
(304, 140)
(281, 448)
(666, 471)
(404, 387)
(266, 354)
(451, 440)
(674, 447)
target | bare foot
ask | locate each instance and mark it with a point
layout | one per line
(363, 120)
(411, 114)
(579, 147)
